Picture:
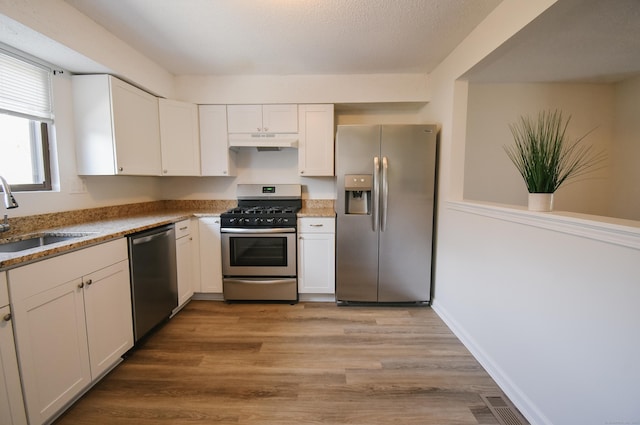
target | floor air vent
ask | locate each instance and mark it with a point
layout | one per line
(504, 411)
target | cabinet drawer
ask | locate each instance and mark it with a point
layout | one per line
(317, 225)
(183, 228)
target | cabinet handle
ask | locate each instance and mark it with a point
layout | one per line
(316, 225)
(259, 129)
(7, 317)
(224, 172)
(301, 171)
(121, 169)
(265, 129)
(190, 238)
(184, 228)
(89, 282)
(164, 171)
(81, 285)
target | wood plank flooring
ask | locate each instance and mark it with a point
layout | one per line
(309, 363)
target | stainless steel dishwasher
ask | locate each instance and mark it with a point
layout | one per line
(154, 288)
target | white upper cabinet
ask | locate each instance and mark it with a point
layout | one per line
(262, 118)
(316, 141)
(215, 157)
(179, 138)
(117, 127)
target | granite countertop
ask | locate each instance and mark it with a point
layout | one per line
(118, 224)
(92, 233)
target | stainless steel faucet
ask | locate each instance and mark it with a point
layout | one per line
(9, 202)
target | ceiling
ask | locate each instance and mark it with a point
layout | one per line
(242, 37)
(572, 41)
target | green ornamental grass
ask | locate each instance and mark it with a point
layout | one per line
(543, 155)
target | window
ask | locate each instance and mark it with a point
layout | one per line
(25, 117)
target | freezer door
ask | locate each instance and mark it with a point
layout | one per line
(356, 239)
(405, 238)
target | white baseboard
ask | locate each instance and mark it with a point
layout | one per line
(528, 409)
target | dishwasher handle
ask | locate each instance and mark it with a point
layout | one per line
(149, 238)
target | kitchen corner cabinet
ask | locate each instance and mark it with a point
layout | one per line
(316, 255)
(316, 145)
(11, 403)
(179, 138)
(210, 255)
(276, 118)
(117, 127)
(216, 159)
(184, 262)
(72, 321)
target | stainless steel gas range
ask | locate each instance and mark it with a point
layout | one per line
(259, 254)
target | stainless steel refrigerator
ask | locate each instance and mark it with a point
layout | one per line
(386, 182)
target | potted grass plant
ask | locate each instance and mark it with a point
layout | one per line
(546, 158)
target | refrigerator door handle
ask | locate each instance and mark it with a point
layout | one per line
(375, 204)
(385, 194)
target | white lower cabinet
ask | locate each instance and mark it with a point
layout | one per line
(316, 255)
(210, 255)
(72, 320)
(11, 404)
(184, 262)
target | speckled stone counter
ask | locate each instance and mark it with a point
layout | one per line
(317, 208)
(96, 225)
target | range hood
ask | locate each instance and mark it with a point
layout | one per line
(263, 141)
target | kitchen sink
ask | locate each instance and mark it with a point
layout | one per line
(36, 241)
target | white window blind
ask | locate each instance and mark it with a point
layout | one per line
(25, 88)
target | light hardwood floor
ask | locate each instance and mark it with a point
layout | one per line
(309, 363)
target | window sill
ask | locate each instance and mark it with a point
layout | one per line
(605, 229)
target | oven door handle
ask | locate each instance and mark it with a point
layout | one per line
(270, 230)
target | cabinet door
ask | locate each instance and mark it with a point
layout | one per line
(136, 129)
(210, 255)
(11, 404)
(316, 142)
(51, 337)
(280, 118)
(244, 118)
(179, 138)
(107, 297)
(215, 157)
(316, 263)
(184, 253)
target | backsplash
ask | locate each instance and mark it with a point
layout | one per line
(34, 223)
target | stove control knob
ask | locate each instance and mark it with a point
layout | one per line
(257, 220)
(270, 220)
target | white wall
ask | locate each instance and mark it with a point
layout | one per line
(537, 306)
(252, 167)
(551, 315)
(303, 88)
(489, 175)
(625, 199)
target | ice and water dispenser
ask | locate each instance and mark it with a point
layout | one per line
(358, 193)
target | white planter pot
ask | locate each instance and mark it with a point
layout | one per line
(542, 202)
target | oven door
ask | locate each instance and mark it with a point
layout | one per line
(258, 252)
